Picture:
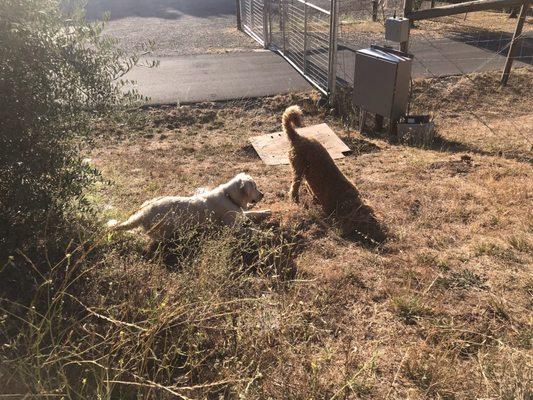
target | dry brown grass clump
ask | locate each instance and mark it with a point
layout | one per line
(441, 311)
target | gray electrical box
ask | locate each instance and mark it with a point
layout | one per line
(397, 29)
(382, 78)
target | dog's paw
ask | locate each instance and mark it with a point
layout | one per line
(200, 191)
(111, 223)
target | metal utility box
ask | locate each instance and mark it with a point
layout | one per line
(397, 29)
(382, 78)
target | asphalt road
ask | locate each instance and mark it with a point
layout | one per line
(210, 77)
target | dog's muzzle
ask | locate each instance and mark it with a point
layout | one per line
(255, 201)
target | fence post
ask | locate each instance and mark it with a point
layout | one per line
(516, 37)
(265, 23)
(407, 8)
(374, 10)
(432, 3)
(239, 22)
(332, 73)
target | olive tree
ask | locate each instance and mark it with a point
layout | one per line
(57, 72)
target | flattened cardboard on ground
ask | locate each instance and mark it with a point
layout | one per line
(273, 148)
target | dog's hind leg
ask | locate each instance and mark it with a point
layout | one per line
(132, 222)
(298, 170)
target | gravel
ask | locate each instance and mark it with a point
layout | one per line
(177, 27)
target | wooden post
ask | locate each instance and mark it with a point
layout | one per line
(407, 9)
(393, 131)
(374, 10)
(516, 38)
(239, 22)
(432, 3)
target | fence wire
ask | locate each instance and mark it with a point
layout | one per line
(469, 40)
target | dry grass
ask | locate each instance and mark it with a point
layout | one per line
(442, 311)
(480, 24)
(482, 21)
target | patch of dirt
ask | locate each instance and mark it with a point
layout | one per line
(460, 96)
(186, 35)
(455, 167)
(477, 22)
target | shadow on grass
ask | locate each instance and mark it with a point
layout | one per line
(444, 145)
(452, 146)
(355, 222)
(359, 146)
(268, 249)
(496, 42)
(361, 225)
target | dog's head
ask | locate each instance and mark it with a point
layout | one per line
(244, 192)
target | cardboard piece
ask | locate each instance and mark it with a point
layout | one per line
(273, 148)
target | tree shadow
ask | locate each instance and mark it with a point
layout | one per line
(165, 9)
(451, 146)
(267, 249)
(359, 146)
(358, 223)
(496, 42)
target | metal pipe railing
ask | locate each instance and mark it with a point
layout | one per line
(332, 70)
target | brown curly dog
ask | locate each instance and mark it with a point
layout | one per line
(333, 191)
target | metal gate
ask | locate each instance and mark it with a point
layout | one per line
(254, 18)
(303, 32)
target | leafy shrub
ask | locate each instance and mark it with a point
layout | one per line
(56, 73)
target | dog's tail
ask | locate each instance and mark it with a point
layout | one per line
(292, 119)
(132, 222)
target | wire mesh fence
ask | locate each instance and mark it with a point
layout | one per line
(454, 45)
(301, 30)
(252, 17)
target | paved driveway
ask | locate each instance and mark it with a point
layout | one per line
(209, 77)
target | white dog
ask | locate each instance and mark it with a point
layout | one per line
(226, 205)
